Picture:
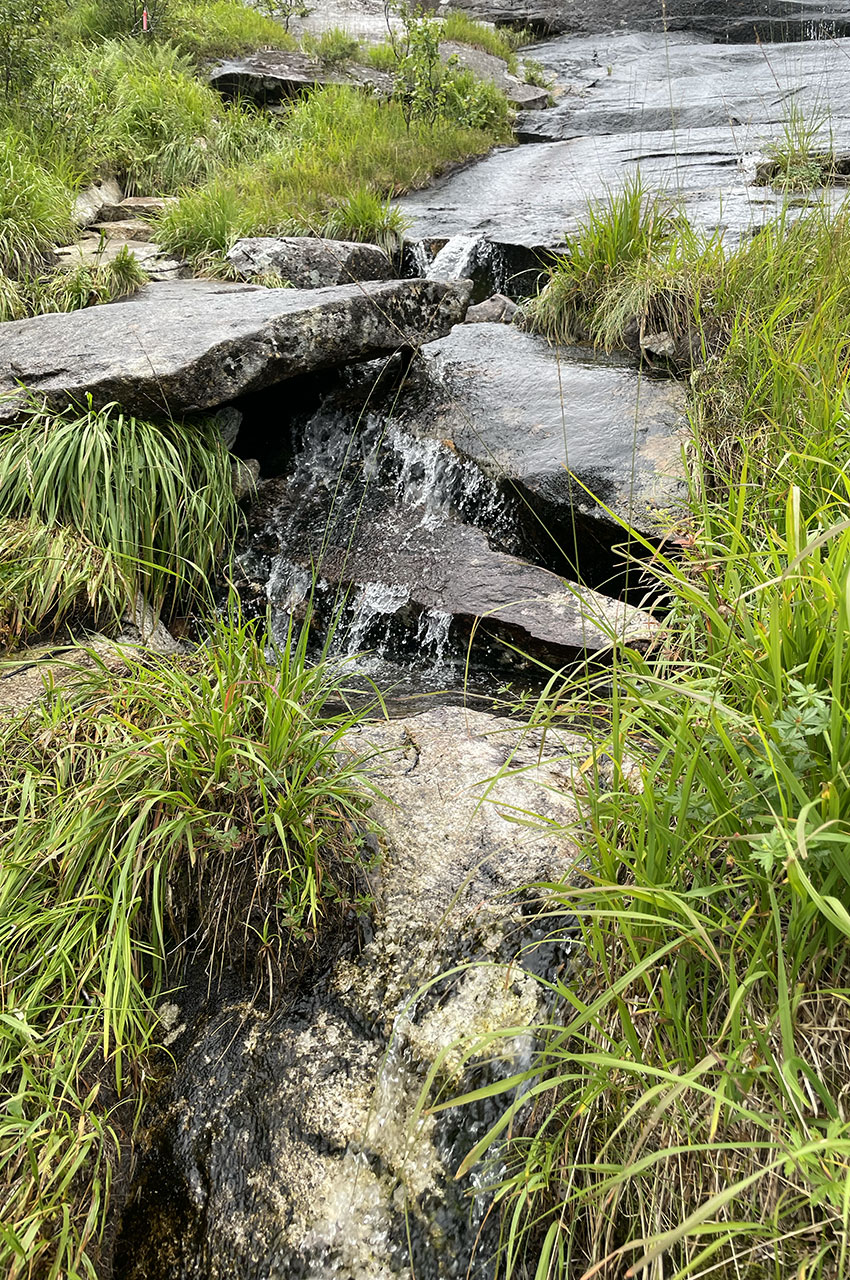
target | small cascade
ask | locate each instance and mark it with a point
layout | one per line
(374, 605)
(457, 260)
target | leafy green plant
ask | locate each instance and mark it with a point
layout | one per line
(421, 74)
(157, 499)
(166, 807)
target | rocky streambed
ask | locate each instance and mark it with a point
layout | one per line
(459, 501)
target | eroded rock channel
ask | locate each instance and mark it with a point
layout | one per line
(449, 498)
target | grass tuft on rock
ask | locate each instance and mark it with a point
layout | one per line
(156, 499)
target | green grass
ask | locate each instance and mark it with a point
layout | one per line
(501, 42)
(176, 807)
(157, 499)
(36, 292)
(345, 154)
(35, 207)
(50, 575)
(334, 47)
(685, 1115)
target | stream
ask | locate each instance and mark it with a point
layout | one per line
(461, 523)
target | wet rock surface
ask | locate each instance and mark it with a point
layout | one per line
(275, 74)
(692, 119)
(408, 570)
(726, 20)
(578, 435)
(196, 344)
(287, 1144)
(308, 262)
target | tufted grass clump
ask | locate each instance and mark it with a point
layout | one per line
(38, 293)
(156, 499)
(169, 809)
(343, 156)
(35, 206)
(686, 1113)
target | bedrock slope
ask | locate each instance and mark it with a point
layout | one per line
(733, 20)
(189, 345)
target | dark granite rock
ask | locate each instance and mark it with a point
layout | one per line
(274, 75)
(195, 344)
(308, 262)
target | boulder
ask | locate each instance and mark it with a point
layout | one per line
(274, 75)
(90, 202)
(307, 262)
(288, 1143)
(578, 435)
(195, 344)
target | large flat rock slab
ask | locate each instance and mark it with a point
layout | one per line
(726, 20)
(643, 83)
(578, 434)
(190, 345)
(275, 74)
(691, 120)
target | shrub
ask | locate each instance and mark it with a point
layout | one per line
(156, 499)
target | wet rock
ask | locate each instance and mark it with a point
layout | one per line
(90, 202)
(726, 20)
(288, 1145)
(689, 119)
(274, 75)
(495, 310)
(577, 434)
(405, 568)
(196, 344)
(308, 262)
